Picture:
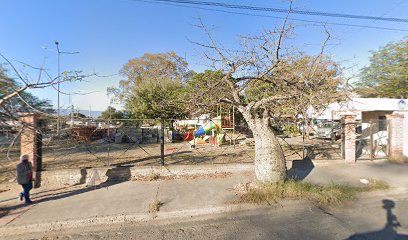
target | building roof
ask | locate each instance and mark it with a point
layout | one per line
(358, 105)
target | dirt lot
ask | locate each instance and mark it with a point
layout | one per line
(71, 153)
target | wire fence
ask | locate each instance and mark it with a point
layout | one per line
(98, 142)
(89, 143)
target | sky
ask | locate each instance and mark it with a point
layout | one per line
(107, 33)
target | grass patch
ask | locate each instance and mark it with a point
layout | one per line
(331, 194)
(374, 185)
(153, 177)
(154, 207)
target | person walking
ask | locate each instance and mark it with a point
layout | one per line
(25, 178)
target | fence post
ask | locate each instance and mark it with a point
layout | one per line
(162, 143)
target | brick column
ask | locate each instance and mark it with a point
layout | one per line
(29, 144)
(349, 137)
(395, 128)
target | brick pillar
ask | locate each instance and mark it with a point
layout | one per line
(349, 137)
(395, 128)
(29, 144)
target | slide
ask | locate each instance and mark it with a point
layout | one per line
(207, 128)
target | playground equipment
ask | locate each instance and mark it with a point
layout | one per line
(206, 129)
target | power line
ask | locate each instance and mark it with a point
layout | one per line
(350, 36)
(275, 17)
(382, 15)
(280, 10)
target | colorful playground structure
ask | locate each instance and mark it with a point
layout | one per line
(208, 130)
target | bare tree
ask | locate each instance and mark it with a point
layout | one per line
(268, 79)
(13, 97)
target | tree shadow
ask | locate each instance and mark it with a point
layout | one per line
(361, 144)
(390, 229)
(116, 175)
(300, 169)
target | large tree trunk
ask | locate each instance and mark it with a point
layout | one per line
(270, 165)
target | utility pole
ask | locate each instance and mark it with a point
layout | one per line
(58, 85)
(58, 89)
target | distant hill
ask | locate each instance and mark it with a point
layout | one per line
(92, 114)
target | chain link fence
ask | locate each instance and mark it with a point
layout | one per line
(85, 143)
(9, 153)
(89, 143)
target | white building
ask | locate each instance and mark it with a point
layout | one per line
(368, 111)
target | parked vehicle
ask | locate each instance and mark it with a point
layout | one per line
(329, 130)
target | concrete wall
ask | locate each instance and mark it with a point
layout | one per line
(96, 176)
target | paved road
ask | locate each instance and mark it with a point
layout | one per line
(372, 218)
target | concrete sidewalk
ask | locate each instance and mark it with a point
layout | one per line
(129, 200)
(133, 198)
(396, 175)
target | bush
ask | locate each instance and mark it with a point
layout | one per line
(291, 130)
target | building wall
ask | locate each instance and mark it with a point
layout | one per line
(374, 115)
(405, 136)
(380, 135)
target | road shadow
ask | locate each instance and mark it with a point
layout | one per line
(390, 229)
(300, 169)
(116, 175)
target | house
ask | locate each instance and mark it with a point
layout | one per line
(370, 113)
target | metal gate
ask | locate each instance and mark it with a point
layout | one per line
(371, 139)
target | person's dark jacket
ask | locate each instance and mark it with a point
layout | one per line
(24, 172)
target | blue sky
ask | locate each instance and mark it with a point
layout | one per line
(107, 33)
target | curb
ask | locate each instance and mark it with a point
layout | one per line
(125, 218)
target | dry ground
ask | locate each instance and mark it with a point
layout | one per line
(70, 153)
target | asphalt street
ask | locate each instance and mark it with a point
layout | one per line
(378, 217)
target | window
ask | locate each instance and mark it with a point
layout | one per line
(382, 123)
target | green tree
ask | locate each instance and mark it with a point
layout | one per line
(154, 86)
(112, 113)
(387, 73)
